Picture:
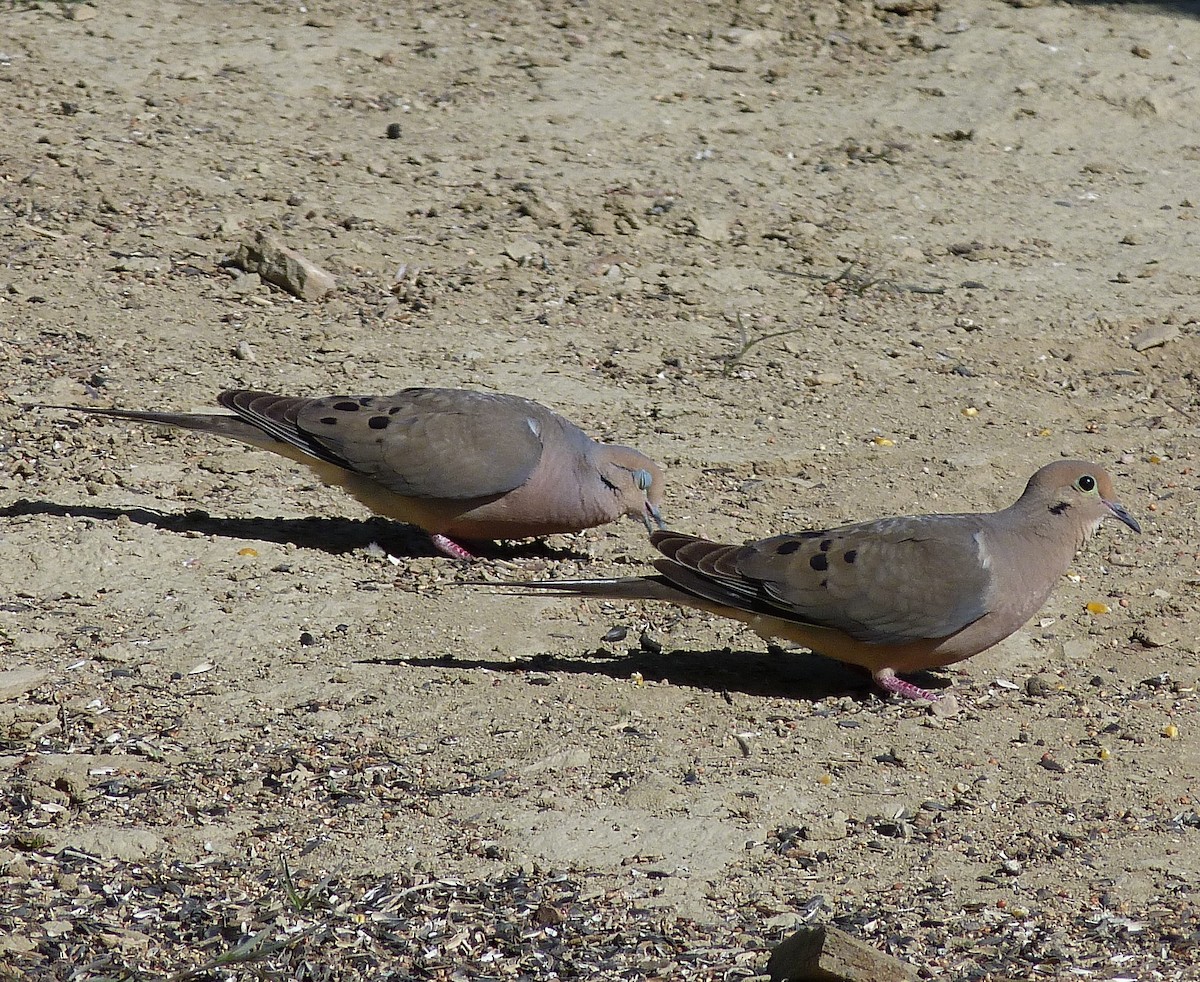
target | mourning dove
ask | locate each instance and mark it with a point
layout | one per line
(892, 595)
(459, 464)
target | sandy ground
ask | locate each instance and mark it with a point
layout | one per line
(825, 261)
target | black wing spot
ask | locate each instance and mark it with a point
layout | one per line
(346, 406)
(819, 562)
(365, 400)
(850, 555)
(378, 422)
(1060, 508)
(394, 410)
(824, 584)
(825, 544)
(329, 420)
(787, 548)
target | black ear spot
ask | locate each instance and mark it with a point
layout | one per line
(1086, 483)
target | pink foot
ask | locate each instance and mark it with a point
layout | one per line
(448, 547)
(886, 679)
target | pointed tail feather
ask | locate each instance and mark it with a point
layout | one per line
(613, 588)
(218, 424)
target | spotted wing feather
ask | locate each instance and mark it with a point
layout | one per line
(887, 582)
(431, 443)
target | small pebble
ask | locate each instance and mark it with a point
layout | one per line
(650, 644)
(1051, 764)
(1037, 687)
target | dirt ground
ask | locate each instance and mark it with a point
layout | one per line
(825, 260)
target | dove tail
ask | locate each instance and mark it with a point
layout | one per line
(219, 424)
(620, 588)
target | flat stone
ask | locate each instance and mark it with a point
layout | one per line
(110, 842)
(18, 681)
(284, 267)
(1154, 337)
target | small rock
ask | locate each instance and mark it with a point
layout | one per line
(521, 251)
(244, 351)
(1037, 687)
(1154, 635)
(80, 12)
(828, 828)
(284, 267)
(649, 644)
(1154, 337)
(746, 38)
(562, 760)
(18, 681)
(393, 131)
(818, 953)
(944, 708)
(15, 944)
(1051, 764)
(906, 7)
(712, 229)
(110, 842)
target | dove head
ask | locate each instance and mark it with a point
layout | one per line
(637, 483)
(1076, 492)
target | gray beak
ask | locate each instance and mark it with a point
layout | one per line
(1121, 515)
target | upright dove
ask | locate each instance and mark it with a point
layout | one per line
(459, 464)
(892, 595)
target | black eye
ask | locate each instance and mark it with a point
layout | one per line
(1086, 483)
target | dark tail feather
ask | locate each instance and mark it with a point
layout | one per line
(216, 423)
(622, 588)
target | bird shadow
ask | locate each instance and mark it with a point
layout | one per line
(332, 535)
(798, 675)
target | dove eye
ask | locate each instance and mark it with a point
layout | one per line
(1086, 483)
(642, 479)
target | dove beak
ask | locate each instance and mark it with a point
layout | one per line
(652, 518)
(1121, 515)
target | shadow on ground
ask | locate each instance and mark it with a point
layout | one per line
(331, 535)
(775, 673)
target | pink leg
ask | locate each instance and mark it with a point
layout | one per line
(886, 679)
(448, 547)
